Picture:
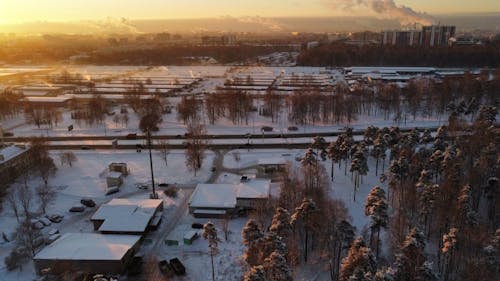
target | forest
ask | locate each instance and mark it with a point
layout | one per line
(339, 54)
(433, 216)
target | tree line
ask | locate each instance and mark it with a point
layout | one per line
(339, 54)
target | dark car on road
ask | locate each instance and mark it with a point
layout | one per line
(87, 202)
(179, 268)
(166, 268)
(77, 209)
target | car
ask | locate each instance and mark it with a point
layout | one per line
(142, 186)
(112, 190)
(135, 266)
(87, 202)
(8, 134)
(131, 136)
(266, 129)
(45, 221)
(85, 147)
(197, 225)
(166, 268)
(77, 209)
(293, 129)
(55, 218)
(179, 268)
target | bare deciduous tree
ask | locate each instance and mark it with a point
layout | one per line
(46, 194)
(196, 145)
(25, 196)
(12, 201)
(164, 149)
(67, 158)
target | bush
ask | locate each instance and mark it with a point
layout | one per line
(171, 192)
(13, 260)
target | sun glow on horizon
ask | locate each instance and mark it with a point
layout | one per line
(20, 11)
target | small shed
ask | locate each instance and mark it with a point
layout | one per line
(119, 167)
(114, 179)
(190, 236)
(271, 165)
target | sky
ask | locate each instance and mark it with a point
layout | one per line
(20, 11)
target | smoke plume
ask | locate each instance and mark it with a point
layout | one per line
(386, 9)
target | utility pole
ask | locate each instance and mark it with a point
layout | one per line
(148, 135)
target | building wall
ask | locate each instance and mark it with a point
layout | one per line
(88, 266)
(14, 167)
(429, 36)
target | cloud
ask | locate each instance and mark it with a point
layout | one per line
(386, 9)
(112, 25)
(266, 23)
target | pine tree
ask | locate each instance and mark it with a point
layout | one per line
(281, 223)
(277, 268)
(310, 163)
(303, 213)
(334, 155)
(252, 239)
(210, 234)
(256, 273)
(450, 241)
(467, 216)
(410, 264)
(426, 137)
(440, 138)
(359, 260)
(376, 208)
(378, 151)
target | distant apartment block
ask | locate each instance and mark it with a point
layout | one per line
(224, 40)
(429, 36)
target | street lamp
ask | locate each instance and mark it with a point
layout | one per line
(148, 135)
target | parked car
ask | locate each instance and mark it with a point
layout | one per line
(293, 129)
(55, 218)
(45, 221)
(52, 238)
(179, 268)
(112, 190)
(85, 147)
(197, 225)
(131, 136)
(135, 266)
(87, 202)
(266, 129)
(77, 209)
(8, 134)
(166, 268)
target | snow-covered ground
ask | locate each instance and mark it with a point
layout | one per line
(86, 179)
(171, 126)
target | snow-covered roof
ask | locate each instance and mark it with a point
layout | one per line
(213, 196)
(254, 188)
(60, 99)
(126, 215)
(271, 161)
(224, 195)
(359, 70)
(88, 246)
(114, 175)
(10, 152)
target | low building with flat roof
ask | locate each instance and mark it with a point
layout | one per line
(126, 216)
(88, 252)
(221, 199)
